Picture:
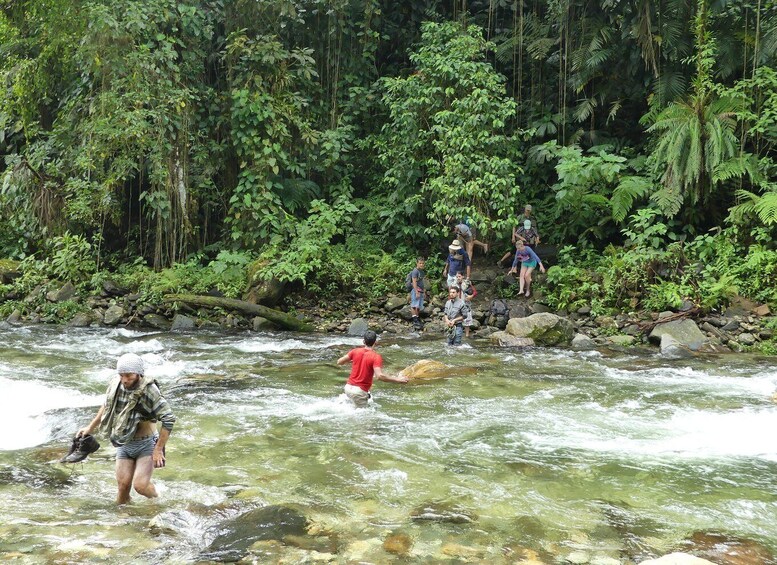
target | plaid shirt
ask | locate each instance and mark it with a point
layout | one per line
(150, 407)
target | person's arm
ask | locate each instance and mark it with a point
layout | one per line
(447, 264)
(381, 376)
(514, 267)
(93, 424)
(158, 455)
(344, 359)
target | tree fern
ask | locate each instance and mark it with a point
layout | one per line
(629, 189)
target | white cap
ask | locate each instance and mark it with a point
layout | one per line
(130, 363)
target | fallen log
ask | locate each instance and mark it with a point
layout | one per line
(282, 319)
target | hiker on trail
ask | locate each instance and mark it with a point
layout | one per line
(416, 286)
(456, 310)
(528, 260)
(133, 405)
(526, 230)
(467, 292)
(466, 236)
(366, 364)
(457, 261)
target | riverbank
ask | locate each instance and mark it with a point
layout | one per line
(743, 325)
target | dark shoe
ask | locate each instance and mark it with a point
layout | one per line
(80, 449)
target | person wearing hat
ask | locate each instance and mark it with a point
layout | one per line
(133, 404)
(457, 261)
(526, 231)
(366, 364)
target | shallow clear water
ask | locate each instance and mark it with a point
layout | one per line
(581, 456)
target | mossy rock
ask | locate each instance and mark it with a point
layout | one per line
(268, 292)
(9, 270)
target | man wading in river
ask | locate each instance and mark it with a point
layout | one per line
(132, 406)
(366, 364)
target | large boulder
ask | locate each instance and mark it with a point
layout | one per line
(582, 342)
(544, 328)
(686, 332)
(182, 323)
(504, 339)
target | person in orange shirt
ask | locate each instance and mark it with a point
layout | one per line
(366, 364)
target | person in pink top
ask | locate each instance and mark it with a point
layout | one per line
(366, 364)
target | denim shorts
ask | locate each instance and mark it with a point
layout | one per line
(137, 448)
(417, 299)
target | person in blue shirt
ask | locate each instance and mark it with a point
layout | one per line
(457, 261)
(528, 259)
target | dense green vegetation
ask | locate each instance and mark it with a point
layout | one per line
(333, 139)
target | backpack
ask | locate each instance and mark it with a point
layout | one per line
(409, 281)
(499, 308)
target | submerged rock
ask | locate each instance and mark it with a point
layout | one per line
(426, 369)
(722, 549)
(398, 543)
(678, 559)
(435, 512)
(261, 524)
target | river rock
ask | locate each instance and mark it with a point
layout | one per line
(261, 290)
(678, 559)
(394, 303)
(746, 339)
(63, 293)
(398, 543)
(673, 349)
(730, 326)
(14, 318)
(156, 321)
(505, 339)
(425, 369)
(582, 342)
(684, 331)
(113, 315)
(728, 550)
(263, 324)
(544, 328)
(539, 308)
(762, 310)
(358, 327)
(81, 320)
(111, 288)
(174, 522)
(266, 523)
(182, 323)
(621, 340)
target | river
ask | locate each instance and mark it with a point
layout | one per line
(544, 454)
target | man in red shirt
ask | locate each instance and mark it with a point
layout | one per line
(366, 364)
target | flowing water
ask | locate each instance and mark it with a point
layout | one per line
(553, 455)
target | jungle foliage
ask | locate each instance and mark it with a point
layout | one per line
(165, 134)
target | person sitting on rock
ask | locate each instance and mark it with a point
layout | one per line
(366, 364)
(458, 260)
(528, 259)
(456, 310)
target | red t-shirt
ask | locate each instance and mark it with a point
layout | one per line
(364, 363)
